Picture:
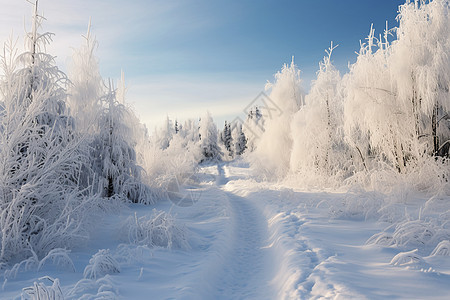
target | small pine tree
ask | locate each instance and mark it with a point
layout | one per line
(177, 126)
(240, 141)
(114, 151)
(227, 139)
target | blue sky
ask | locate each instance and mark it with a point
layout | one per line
(183, 57)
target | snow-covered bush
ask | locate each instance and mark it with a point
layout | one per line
(409, 259)
(59, 257)
(102, 263)
(41, 291)
(157, 230)
(443, 248)
(413, 233)
(179, 160)
(358, 205)
(419, 233)
(91, 289)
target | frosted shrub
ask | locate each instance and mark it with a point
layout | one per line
(409, 259)
(59, 257)
(157, 230)
(443, 248)
(89, 289)
(179, 160)
(358, 206)
(41, 291)
(413, 233)
(101, 264)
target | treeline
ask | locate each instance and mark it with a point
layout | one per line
(389, 113)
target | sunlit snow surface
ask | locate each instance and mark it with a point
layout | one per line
(249, 240)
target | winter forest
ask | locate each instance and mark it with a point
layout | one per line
(341, 192)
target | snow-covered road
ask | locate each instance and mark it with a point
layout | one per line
(249, 240)
(248, 261)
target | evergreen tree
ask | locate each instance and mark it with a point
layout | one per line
(240, 141)
(41, 205)
(114, 151)
(177, 127)
(227, 139)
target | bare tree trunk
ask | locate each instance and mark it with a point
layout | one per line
(415, 105)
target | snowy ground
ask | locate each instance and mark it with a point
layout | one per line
(249, 240)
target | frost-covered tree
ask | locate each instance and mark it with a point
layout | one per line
(190, 131)
(420, 66)
(87, 86)
(273, 151)
(41, 205)
(227, 139)
(114, 150)
(240, 141)
(164, 134)
(165, 167)
(208, 139)
(178, 126)
(378, 127)
(396, 95)
(317, 127)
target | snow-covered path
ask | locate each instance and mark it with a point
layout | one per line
(249, 240)
(248, 261)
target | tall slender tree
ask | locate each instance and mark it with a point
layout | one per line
(41, 204)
